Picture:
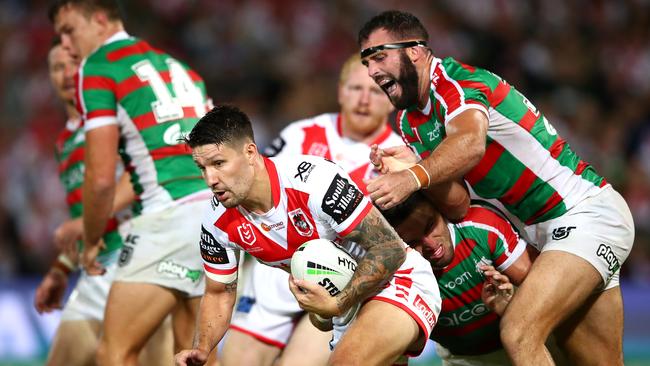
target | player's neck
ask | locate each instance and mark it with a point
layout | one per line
(109, 31)
(260, 197)
(424, 81)
(367, 139)
(71, 111)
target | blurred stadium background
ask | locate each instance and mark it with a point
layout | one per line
(586, 64)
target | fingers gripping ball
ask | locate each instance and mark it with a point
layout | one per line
(323, 262)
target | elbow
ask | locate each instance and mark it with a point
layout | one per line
(457, 212)
(100, 185)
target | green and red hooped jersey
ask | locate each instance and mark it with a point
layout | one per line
(527, 165)
(465, 325)
(155, 100)
(69, 151)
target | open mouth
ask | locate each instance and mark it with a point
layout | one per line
(220, 195)
(388, 85)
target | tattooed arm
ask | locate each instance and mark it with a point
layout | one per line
(385, 254)
(213, 321)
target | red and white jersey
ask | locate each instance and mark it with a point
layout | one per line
(312, 197)
(322, 136)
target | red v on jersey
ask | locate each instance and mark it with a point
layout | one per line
(274, 237)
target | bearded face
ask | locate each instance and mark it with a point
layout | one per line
(402, 89)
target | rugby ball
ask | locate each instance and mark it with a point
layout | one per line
(323, 262)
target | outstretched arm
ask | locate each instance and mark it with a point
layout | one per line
(458, 153)
(213, 320)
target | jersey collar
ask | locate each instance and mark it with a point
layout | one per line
(274, 179)
(452, 232)
(117, 37)
(435, 63)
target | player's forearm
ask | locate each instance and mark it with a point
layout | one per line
(453, 158)
(124, 193)
(97, 207)
(214, 317)
(385, 254)
(461, 150)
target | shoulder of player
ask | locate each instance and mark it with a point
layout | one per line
(480, 215)
(213, 210)
(321, 120)
(302, 172)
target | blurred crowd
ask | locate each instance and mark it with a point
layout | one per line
(584, 63)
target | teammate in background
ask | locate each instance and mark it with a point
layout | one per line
(305, 197)
(135, 96)
(467, 331)
(75, 341)
(467, 122)
(268, 322)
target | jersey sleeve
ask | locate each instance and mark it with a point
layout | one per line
(219, 259)
(288, 142)
(96, 95)
(460, 89)
(337, 200)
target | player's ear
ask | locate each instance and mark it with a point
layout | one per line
(250, 151)
(415, 53)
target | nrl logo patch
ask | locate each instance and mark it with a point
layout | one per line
(246, 233)
(300, 222)
(562, 232)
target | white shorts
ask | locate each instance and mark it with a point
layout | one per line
(267, 310)
(162, 248)
(88, 299)
(598, 229)
(413, 289)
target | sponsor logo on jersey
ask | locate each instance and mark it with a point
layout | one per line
(179, 271)
(246, 233)
(214, 203)
(606, 252)
(275, 226)
(211, 251)
(562, 232)
(422, 306)
(74, 176)
(318, 149)
(245, 304)
(341, 199)
(465, 276)
(172, 135)
(454, 319)
(300, 222)
(304, 170)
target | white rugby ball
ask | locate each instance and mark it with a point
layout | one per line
(323, 262)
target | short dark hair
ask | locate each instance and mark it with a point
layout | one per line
(111, 7)
(396, 215)
(224, 124)
(400, 24)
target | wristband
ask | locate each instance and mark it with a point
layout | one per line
(421, 176)
(63, 263)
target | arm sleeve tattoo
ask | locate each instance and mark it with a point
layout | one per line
(385, 254)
